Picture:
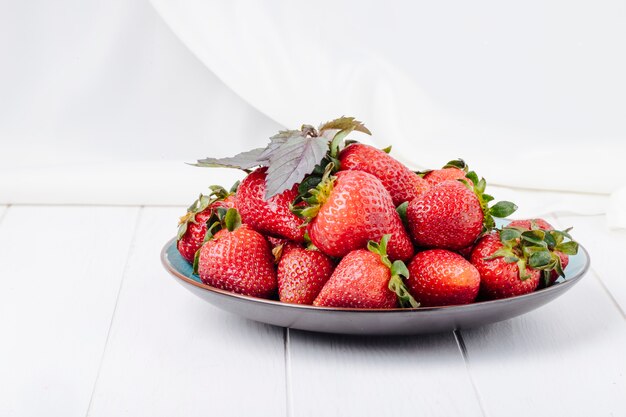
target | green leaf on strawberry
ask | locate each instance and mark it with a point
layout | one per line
(537, 248)
(198, 206)
(501, 209)
(398, 272)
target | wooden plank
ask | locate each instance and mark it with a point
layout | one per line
(566, 358)
(170, 353)
(60, 272)
(606, 247)
(333, 375)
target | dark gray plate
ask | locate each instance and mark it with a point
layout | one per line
(371, 322)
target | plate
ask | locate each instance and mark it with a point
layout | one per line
(371, 321)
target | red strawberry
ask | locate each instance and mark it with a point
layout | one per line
(350, 209)
(466, 252)
(531, 224)
(276, 241)
(192, 226)
(238, 259)
(453, 214)
(365, 278)
(301, 274)
(402, 183)
(453, 170)
(439, 277)
(499, 278)
(541, 224)
(271, 216)
(448, 216)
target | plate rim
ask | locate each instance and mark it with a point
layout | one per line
(275, 303)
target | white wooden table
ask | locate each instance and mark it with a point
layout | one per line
(92, 325)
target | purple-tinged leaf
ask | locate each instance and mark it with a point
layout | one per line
(244, 160)
(290, 162)
(344, 123)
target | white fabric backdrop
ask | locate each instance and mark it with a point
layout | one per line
(100, 102)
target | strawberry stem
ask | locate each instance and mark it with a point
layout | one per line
(398, 271)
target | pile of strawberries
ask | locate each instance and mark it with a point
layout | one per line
(327, 221)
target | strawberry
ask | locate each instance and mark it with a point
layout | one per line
(447, 216)
(236, 258)
(466, 252)
(559, 260)
(453, 214)
(276, 241)
(503, 272)
(438, 277)
(348, 210)
(271, 216)
(192, 226)
(531, 224)
(453, 170)
(402, 183)
(301, 274)
(366, 278)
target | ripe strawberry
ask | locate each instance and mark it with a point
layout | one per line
(447, 216)
(276, 241)
(466, 252)
(439, 277)
(531, 224)
(502, 274)
(453, 214)
(192, 226)
(238, 259)
(453, 170)
(541, 224)
(271, 216)
(402, 183)
(348, 210)
(366, 278)
(301, 274)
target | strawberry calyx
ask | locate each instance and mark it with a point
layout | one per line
(398, 272)
(535, 248)
(218, 193)
(307, 204)
(455, 163)
(221, 218)
(501, 209)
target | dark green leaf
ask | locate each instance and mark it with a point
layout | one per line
(387, 149)
(535, 237)
(508, 234)
(549, 239)
(473, 177)
(502, 209)
(539, 259)
(568, 248)
(456, 163)
(487, 198)
(196, 261)
(401, 209)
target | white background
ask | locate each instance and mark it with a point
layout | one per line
(100, 102)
